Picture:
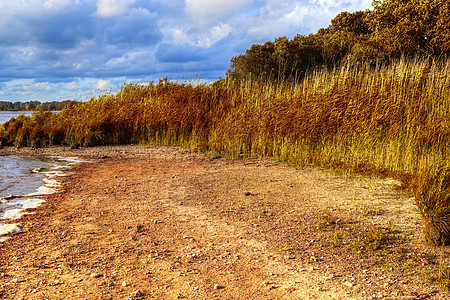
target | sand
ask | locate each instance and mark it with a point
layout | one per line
(166, 223)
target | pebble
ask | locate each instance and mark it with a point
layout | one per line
(330, 277)
(124, 283)
(56, 282)
(218, 287)
(137, 293)
(349, 284)
(312, 268)
(95, 275)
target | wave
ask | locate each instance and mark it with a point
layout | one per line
(14, 206)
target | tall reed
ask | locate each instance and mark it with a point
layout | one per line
(391, 119)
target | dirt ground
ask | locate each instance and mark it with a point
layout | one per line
(166, 223)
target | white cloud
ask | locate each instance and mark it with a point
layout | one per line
(201, 38)
(44, 86)
(216, 34)
(209, 11)
(71, 86)
(60, 4)
(103, 84)
(113, 8)
(287, 17)
(132, 58)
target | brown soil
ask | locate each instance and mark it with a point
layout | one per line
(165, 223)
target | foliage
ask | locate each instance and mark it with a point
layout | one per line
(394, 28)
(405, 27)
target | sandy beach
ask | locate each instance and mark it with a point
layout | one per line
(136, 222)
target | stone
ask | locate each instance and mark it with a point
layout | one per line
(218, 287)
(137, 293)
(349, 284)
(95, 275)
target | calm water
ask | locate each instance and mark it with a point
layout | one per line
(7, 115)
(23, 182)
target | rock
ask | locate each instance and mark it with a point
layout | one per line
(124, 283)
(56, 282)
(349, 284)
(330, 277)
(137, 293)
(218, 287)
(95, 275)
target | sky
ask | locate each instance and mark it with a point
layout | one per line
(54, 50)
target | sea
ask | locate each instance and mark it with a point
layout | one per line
(7, 115)
(24, 181)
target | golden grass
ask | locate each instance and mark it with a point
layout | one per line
(390, 119)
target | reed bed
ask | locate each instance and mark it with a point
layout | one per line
(384, 119)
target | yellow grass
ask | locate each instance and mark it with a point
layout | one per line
(388, 119)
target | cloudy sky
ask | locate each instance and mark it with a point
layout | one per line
(71, 49)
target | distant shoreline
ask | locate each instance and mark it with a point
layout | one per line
(30, 110)
(34, 105)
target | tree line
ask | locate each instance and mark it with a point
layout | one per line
(34, 105)
(393, 29)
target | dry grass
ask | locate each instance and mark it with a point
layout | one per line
(391, 120)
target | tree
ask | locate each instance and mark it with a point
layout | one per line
(394, 28)
(257, 63)
(355, 23)
(441, 29)
(405, 27)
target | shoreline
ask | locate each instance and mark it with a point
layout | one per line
(161, 222)
(15, 206)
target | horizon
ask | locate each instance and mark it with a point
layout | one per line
(56, 50)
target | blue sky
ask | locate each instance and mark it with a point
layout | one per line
(73, 49)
